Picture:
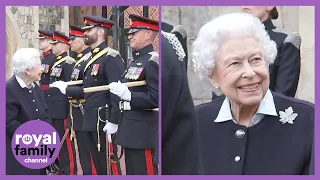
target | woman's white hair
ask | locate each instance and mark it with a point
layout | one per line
(212, 34)
(23, 59)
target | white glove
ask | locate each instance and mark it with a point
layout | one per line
(110, 128)
(61, 85)
(120, 90)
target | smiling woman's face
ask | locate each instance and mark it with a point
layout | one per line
(240, 71)
(35, 72)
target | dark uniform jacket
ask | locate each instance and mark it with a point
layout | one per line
(138, 127)
(47, 63)
(22, 105)
(285, 72)
(267, 148)
(77, 102)
(180, 147)
(58, 102)
(107, 68)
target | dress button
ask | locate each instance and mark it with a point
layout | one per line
(33, 100)
(30, 91)
(86, 77)
(237, 159)
(240, 133)
(48, 95)
(36, 109)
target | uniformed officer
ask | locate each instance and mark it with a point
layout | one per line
(48, 58)
(285, 71)
(24, 102)
(104, 66)
(58, 104)
(179, 155)
(138, 126)
(75, 120)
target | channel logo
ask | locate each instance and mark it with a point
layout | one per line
(35, 144)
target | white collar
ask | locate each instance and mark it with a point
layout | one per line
(266, 107)
(22, 83)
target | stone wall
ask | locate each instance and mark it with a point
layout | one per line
(23, 23)
(50, 17)
(24, 16)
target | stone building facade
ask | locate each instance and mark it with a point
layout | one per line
(23, 22)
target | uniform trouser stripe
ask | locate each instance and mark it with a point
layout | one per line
(69, 147)
(149, 163)
(93, 167)
(114, 167)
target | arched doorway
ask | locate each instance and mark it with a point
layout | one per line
(13, 38)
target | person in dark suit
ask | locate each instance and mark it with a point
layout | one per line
(138, 126)
(58, 102)
(285, 71)
(104, 66)
(24, 102)
(76, 111)
(180, 138)
(252, 130)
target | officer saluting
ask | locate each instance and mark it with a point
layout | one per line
(75, 120)
(58, 102)
(104, 66)
(138, 127)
